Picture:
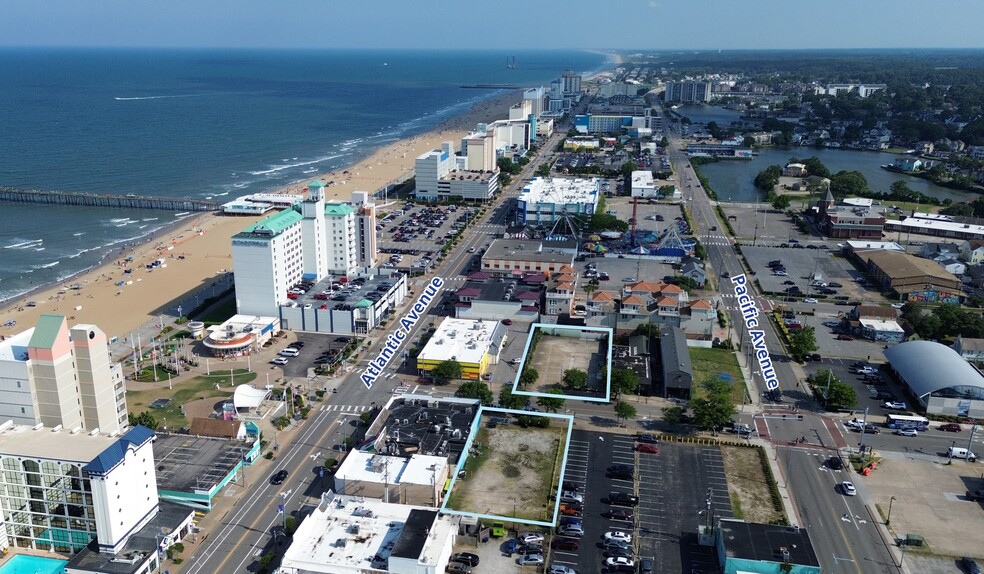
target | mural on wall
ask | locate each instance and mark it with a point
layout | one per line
(932, 296)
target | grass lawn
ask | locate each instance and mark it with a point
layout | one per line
(710, 364)
(219, 313)
(183, 392)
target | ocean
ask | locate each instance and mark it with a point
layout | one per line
(208, 124)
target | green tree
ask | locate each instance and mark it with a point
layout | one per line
(665, 191)
(475, 390)
(144, 418)
(848, 183)
(508, 400)
(803, 341)
(628, 167)
(673, 415)
(768, 178)
(552, 404)
(781, 202)
(575, 379)
(543, 170)
(749, 141)
(624, 381)
(624, 410)
(447, 371)
(841, 396)
(715, 407)
(816, 167)
(528, 377)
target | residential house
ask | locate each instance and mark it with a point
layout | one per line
(876, 323)
(695, 272)
(953, 265)
(795, 170)
(946, 250)
(907, 164)
(677, 372)
(972, 251)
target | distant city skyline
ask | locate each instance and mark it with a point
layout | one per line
(626, 25)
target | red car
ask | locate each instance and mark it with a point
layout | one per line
(951, 427)
(565, 544)
(845, 338)
(646, 447)
(507, 321)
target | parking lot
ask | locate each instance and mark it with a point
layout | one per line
(829, 346)
(673, 487)
(414, 237)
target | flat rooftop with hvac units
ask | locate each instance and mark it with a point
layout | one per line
(475, 345)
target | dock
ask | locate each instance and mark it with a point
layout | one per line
(129, 201)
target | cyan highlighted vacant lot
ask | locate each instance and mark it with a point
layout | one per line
(551, 350)
(512, 467)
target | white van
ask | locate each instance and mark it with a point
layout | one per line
(958, 452)
(289, 352)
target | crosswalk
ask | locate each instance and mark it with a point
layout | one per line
(728, 301)
(344, 408)
(715, 240)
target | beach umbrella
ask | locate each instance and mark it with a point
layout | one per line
(594, 238)
(600, 249)
(589, 246)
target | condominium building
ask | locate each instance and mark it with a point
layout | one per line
(535, 97)
(572, 82)
(341, 238)
(479, 150)
(430, 167)
(61, 377)
(365, 229)
(688, 92)
(60, 489)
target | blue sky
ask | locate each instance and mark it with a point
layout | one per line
(495, 24)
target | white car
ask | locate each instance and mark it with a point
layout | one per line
(531, 560)
(898, 305)
(848, 488)
(619, 536)
(907, 432)
(895, 406)
(530, 538)
(515, 361)
(781, 274)
(561, 569)
(619, 563)
(573, 530)
(279, 361)
(810, 300)
(569, 496)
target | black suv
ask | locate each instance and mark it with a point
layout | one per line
(279, 478)
(623, 499)
(835, 463)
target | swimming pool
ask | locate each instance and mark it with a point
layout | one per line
(24, 564)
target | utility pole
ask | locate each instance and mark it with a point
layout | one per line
(864, 426)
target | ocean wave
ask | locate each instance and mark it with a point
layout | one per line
(135, 98)
(24, 243)
(293, 165)
(46, 265)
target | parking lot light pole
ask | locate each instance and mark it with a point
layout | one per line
(888, 519)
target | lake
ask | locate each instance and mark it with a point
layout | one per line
(733, 180)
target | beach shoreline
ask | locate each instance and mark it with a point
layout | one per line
(119, 296)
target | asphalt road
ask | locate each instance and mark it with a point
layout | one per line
(844, 536)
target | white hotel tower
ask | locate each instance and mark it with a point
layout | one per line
(311, 240)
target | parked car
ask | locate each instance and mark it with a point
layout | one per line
(620, 513)
(620, 564)
(647, 448)
(568, 496)
(847, 488)
(465, 557)
(844, 338)
(810, 300)
(565, 544)
(531, 560)
(617, 551)
(575, 530)
(530, 538)
(623, 499)
(570, 510)
(951, 427)
(619, 535)
(458, 568)
(561, 569)
(498, 530)
(970, 565)
(279, 361)
(648, 438)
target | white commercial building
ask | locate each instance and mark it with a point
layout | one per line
(511, 136)
(643, 184)
(356, 535)
(58, 376)
(473, 344)
(546, 200)
(535, 97)
(438, 179)
(418, 480)
(312, 240)
(479, 149)
(521, 111)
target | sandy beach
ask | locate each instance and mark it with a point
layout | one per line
(198, 250)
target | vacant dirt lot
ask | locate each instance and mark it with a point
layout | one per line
(555, 354)
(510, 472)
(748, 485)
